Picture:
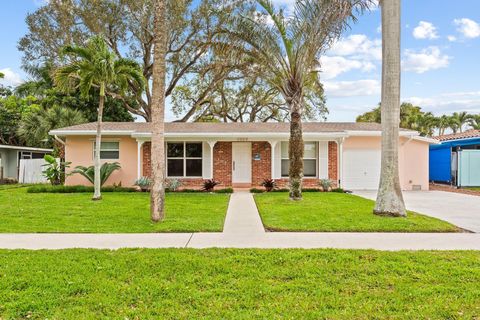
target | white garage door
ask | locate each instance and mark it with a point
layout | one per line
(361, 169)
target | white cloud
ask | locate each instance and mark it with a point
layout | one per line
(449, 102)
(425, 30)
(467, 27)
(11, 78)
(352, 88)
(426, 59)
(334, 66)
(358, 46)
(451, 38)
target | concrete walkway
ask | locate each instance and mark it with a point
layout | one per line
(459, 209)
(242, 216)
(244, 229)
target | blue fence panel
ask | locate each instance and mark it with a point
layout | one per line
(440, 167)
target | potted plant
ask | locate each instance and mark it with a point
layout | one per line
(144, 184)
(209, 185)
(269, 184)
(174, 184)
(325, 184)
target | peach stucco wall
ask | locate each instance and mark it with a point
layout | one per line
(413, 158)
(414, 162)
(79, 151)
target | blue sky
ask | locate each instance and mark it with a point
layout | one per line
(440, 56)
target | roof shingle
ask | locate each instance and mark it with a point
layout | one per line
(458, 136)
(190, 127)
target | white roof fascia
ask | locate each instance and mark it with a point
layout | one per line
(366, 133)
(90, 132)
(426, 139)
(25, 148)
(242, 135)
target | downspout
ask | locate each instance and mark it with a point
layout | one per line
(340, 161)
(59, 140)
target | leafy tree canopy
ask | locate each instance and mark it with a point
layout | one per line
(412, 117)
(196, 75)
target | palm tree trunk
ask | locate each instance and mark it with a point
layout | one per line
(98, 141)
(157, 195)
(390, 199)
(295, 151)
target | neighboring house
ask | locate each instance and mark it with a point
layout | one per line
(10, 159)
(456, 160)
(244, 154)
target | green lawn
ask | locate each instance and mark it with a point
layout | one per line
(337, 212)
(116, 213)
(239, 284)
(474, 188)
(12, 186)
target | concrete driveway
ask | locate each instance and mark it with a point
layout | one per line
(460, 209)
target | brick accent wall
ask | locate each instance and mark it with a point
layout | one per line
(333, 162)
(307, 183)
(147, 159)
(222, 163)
(261, 169)
(187, 183)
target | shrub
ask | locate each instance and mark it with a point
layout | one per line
(326, 184)
(225, 190)
(339, 190)
(105, 171)
(255, 190)
(144, 183)
(303, 190)
(269, 184)
(74, 189)
(173, 184)
(54, 171)
(209, 185)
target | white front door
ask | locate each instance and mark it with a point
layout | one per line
(361, 169)
(241, 162)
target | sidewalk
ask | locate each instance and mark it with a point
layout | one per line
(244, 229)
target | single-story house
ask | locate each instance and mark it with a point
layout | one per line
(10, 159)
(456, 160)
(244, 154)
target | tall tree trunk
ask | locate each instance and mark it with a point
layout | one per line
(295, 151)
(98, 141)
(390, 198)
(157, 195)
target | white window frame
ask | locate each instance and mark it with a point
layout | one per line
(185, 158)
(117, 150)
(316, 159)
(26, 155)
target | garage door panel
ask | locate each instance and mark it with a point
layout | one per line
(361, 169)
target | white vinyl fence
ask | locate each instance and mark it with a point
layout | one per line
(31, 171)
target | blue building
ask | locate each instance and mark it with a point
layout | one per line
(456, 160)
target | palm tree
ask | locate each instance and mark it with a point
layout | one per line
(34, 127)
(157, 194)
(443, 123)
(96, 67)
(474, 121)
(390, 199)
(460, 119)
(426, 124)
(284, 51)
